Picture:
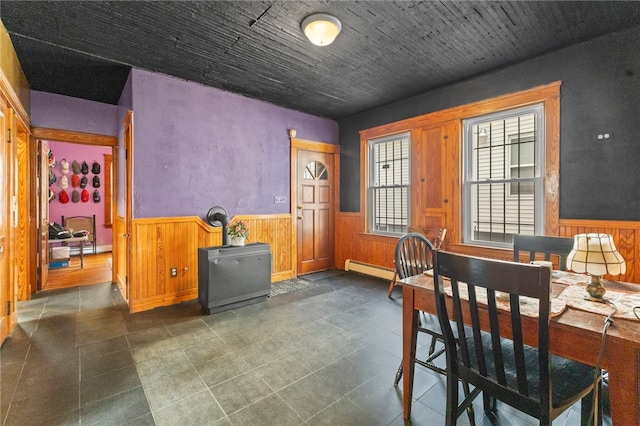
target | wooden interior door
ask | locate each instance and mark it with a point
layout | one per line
(5, 289)
(315, 211)
(42, 182)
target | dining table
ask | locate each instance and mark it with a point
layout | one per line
(575, 333)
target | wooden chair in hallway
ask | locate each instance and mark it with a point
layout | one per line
(527, 378)
(83, 223)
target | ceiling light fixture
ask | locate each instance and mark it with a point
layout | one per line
(321, 29)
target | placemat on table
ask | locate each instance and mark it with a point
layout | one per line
(528, 305)
(576, 297)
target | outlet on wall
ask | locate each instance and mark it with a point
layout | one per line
(604, 136)
(279, 200)
(174, 272)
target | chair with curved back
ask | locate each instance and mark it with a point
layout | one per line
(527, 378)
(413, 257)
(549, 247)
(437, 243)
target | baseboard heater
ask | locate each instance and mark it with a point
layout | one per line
(367, 269)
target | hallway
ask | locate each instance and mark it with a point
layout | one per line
(323, 355)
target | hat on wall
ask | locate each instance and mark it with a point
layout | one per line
(85, 168)
(51, 159)
(65, 166)
(75, 196)
(52, 177)
(75, 181)
(95, 168)
(64, 182)
(75, 166)
(85, 196)
(52, 194)
(83, 182)
(96, 181)
(96, 196)
(63, 197)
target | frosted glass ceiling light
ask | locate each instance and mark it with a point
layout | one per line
(321, 29)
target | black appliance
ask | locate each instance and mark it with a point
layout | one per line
(230, 276)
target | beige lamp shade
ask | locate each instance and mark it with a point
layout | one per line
(321, 29)
(595, 254)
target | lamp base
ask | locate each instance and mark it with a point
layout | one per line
(595, 287)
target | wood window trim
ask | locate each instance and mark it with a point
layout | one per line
(548, 95)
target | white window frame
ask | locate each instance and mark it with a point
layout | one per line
(374, 187)
(510, 192)
(469, 184)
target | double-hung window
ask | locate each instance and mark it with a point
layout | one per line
(503, 170)
(389, 184)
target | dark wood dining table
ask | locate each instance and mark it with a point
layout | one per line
(575, 334)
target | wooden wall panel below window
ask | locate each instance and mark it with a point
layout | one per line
(159, 244)
(352, 243)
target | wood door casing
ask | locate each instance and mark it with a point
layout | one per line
(42, 181)
(5, 287)
(315, 206)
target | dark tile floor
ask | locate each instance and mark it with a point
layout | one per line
(326, 355)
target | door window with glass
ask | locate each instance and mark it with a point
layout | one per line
(503, 169)
(389, 184)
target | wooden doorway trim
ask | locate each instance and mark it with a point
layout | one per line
(301, 144)
(70, 136)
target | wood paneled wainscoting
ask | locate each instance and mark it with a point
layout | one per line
(353, 243)
(159, 244)
(626, 236)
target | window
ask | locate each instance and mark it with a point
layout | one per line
(389, 160)
(521, 163)
(503, 191)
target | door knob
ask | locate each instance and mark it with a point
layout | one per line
(300, 207)
(300, 217)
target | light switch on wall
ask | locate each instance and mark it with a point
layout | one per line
(279, 200)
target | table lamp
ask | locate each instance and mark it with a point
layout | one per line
(596, 255)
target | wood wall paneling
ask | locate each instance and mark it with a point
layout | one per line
(25, 261)
(160, 244)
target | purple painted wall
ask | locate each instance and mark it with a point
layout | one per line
(196, 147)
(80, 153)
(67, 113)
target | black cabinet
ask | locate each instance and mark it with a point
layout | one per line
(229, 276)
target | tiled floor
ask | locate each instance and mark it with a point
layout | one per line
(324, 355)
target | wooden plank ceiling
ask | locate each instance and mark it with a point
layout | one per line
(388, 50)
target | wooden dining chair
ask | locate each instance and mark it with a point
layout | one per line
(497, 362)
(437, 243)
(83, 223)
(413, 257)
(549, 247)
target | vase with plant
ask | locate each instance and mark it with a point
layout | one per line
(238, 230)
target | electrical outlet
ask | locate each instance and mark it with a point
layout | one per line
(174, 272)
(279, 200)
(604, 136)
